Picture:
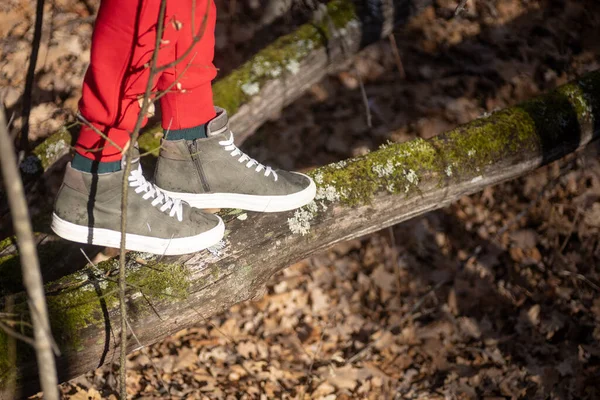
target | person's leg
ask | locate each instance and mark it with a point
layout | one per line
(88, 205)
(122, 46)
(198, 161)
(188, 103)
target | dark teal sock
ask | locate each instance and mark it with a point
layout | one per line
(97, 167)
(196, 132)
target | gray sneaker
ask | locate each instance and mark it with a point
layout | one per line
(213, 173)
(88, 210)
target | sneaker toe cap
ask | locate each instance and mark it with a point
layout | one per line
(204, 219)
(294, 181)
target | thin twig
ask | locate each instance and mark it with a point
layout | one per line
(98, 132)
(567, 237)
(11, 332)
(175, 81)
(32, 277)
(10, 387)
(35, 47)
(460, 7)
(397, 57)
(124, 195)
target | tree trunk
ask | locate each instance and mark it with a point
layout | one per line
(355, 197)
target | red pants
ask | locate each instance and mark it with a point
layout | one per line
(122, 46)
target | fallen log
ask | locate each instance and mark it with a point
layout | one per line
(355, 197)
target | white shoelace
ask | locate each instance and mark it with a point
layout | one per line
(243, 157)
(173, 206)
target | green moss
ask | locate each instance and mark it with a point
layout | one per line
(577, 98)
(49, 150)
(149, 142)
(540, 125)
(78, 303)
(162, 281)
(23, 351)
(469, 148)
(5, 366)
(4, 243)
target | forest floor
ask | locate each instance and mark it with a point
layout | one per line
(494, 297)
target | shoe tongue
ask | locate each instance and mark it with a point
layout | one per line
(218, 124)
(135, 160)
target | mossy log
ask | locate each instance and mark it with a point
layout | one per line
(355, 197)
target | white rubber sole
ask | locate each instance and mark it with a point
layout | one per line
(248, 201)
(147, 244)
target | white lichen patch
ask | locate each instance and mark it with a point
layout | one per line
(260, 66)
(30, 165)
(319, 178)
(136, 295)
(471, 152)
(340, 164)
(385, 145)
(300, 222)
(102, 284)
(312, 207)
(411, 176)
(251, 88)
(307, 44)
(384, 170)
(577, 96)
(275, 71)
(449, 170)
(215, 250)
(328, 193)
(54, 149)
(293, 67)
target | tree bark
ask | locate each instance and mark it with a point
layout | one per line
(355, 197)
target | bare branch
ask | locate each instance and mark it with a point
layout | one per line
(32, 277)
(11, 332)
(460, 7)
(124, 191)
(397, 57)
(98, 132)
